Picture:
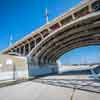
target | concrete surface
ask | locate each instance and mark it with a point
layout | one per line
(34, 90)
(13, 65)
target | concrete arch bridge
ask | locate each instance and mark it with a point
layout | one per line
(77, 28)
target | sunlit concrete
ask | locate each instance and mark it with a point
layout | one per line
(34, 90)
(13, 66)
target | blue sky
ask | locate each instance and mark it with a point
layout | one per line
(88, 54)
(20, 17)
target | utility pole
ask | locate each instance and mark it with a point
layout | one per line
(10, 40)
(46, 15)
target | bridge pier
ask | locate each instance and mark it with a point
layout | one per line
(42, 70)
(35, 69)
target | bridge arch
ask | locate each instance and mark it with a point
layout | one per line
(84, 31)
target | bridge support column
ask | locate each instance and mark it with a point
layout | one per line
(41, 70)
(37, 70)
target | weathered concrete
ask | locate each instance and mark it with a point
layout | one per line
(10, 65)
(38, 91)
(36, 70)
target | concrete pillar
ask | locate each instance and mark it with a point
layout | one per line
(41, 35)
(29, 47)
(19, 50)
(39, 70)
(49, 30)
(73, 16)
(60, 24)
(90, 7)
(35, 42)
(24, 50)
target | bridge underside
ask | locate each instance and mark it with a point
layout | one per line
(84, 31)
